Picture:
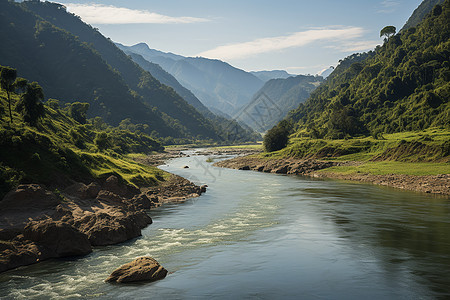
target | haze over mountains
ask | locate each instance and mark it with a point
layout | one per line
(74, 62)
(218, 85)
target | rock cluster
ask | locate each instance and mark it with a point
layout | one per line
(36, 224)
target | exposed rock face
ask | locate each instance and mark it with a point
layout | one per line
(58, 239)
(141, 269)
(29, 196)
(279, 166)
(103, 229)
(36, 225)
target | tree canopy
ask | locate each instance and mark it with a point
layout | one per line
(388, 31)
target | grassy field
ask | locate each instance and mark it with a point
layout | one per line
(393, 167)
(415, 153)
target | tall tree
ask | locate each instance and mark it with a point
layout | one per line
(7, 78)
(31, 105)
(388, 31)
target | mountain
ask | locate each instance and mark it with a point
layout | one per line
(167, 79)
(275, 99)
(326, 72)
(220, 122)
(404, 85)
(274, 74)
(74, 62)
(420, 12)
(215, 83)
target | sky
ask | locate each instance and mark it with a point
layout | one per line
(301, 37)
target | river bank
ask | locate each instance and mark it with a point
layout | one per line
(37, 224)
(434, 184)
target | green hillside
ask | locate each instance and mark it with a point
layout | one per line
(285, 95)
(74, 62)
(421, 12)
(403, 85)
(56, 150)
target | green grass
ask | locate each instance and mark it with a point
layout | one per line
(392, 167)
(414, 153)
(431, 145)
(59, 150)
(257, 146)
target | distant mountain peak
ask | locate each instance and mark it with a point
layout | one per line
(326, 72)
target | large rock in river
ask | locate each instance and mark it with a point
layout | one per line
(58, 238)
(141, 269)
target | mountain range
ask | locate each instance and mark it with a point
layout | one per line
(74, 62)
(221, 87)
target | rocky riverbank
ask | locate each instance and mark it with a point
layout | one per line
(37, 224)
(436, 184)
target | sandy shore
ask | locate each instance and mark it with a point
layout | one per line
(436, 184)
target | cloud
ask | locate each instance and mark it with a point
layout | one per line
(108, 14)
(388, 6)
(356, 46)
(270, 44)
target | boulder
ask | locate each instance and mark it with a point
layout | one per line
(82, 191)
(105, 229)
(141, 269)
(203, 188)
(186, 167)
(141, 201)
(58, 238)
(29, 196)
(110, 197)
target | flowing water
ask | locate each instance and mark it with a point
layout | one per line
(266, 236)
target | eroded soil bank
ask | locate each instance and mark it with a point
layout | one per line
(435, 184)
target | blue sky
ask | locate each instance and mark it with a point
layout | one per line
(302, 37)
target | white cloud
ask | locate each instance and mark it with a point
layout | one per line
(356, 46)
(388, 6)
(333, 34)
(108, 14)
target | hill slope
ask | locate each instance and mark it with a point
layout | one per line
(420, 13)
(268, 75)
(218, 85)
(275, 99)
(58, 150)
(403, 85)
(80, 68)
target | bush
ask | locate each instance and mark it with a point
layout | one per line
(277, 137)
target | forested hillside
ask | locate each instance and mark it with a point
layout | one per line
(74, 62)
(402, 85)
(420, 12)
(283, 95)
(48, 144)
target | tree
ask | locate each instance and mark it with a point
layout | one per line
(388, 31)
(30, 104)
(7, 79)
(277, 137)
(78, 111)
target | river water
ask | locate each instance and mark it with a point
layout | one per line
(265, 236)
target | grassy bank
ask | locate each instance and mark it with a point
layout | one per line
(411, 153)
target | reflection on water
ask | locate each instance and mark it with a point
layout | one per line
(255, 235)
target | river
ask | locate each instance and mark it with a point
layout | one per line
(266, 236)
